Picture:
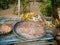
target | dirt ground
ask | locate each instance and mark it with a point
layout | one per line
(9, 12)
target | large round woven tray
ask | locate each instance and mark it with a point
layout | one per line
(24, 37)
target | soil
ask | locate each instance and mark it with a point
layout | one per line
(9, 12)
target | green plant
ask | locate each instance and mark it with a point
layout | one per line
(4, 4)
(58, 1)
(24, 4)
(45, 7)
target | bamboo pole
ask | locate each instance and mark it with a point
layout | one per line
(18, 8)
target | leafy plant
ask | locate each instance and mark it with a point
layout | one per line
(4, 4)
(24, 4)
(45, 7)
(58, 2)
